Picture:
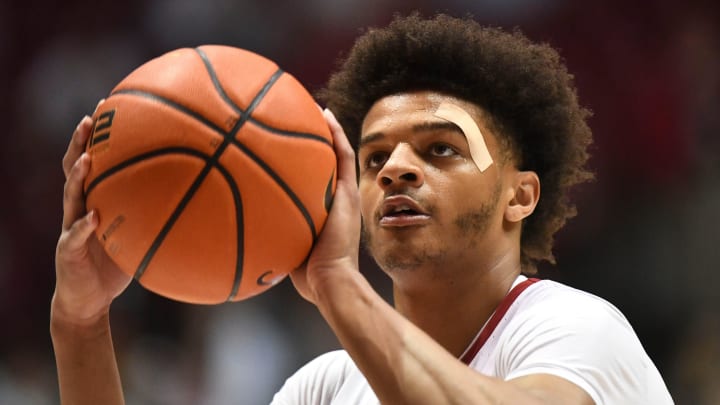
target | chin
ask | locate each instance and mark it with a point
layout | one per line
(405, 257)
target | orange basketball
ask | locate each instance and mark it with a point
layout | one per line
(212, 174)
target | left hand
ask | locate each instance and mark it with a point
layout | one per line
(337, 247)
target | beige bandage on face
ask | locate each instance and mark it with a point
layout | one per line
(478, 149)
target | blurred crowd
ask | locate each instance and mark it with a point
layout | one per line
(645, 237)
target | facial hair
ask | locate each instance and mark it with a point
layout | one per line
(467, 225)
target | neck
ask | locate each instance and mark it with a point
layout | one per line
(459, 301)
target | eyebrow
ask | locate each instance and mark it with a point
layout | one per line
(427, 126)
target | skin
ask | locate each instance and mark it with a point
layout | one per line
(86, 283)
(464, 253)
(467, 259)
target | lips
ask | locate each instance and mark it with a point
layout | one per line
(402, 210)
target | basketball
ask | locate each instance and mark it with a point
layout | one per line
(212, 173)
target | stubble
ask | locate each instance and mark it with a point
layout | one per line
(468, 227)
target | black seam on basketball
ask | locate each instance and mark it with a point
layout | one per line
(216, 81)
(135, 159)
(223, 171)
(240, 256)
(155, 245)
(282, 132)
(298, 203)
(196, 115)
(246, 116)
(228, 138)
(239, 219)
(329, 195)
(221, 91)
(261, 94)
(155, 97)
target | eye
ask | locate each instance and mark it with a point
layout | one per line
(442, 150)
(376, 159)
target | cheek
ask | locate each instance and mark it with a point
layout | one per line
(366, 190)
(458, 183)
(466, 193)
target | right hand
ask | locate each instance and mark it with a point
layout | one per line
(87, 280)
(336, 249)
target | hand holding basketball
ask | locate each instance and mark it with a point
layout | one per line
(86, 279)
(338, 244)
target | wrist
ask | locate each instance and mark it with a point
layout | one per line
(67, 322)
(341, 289)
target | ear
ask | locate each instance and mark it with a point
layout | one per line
(526, 186)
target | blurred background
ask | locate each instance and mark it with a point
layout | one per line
(645, 239)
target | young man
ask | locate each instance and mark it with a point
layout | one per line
(457, 127)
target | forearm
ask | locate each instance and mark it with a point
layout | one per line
(402, 363)
(86, 364)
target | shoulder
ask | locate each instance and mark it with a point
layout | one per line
(318, 381)
(557, 319)
(581, 337)
(548, 300)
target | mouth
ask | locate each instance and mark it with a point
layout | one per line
(402, 211)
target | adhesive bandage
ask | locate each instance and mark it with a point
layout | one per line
(458, 116)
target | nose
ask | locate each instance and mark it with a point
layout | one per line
(402, 168)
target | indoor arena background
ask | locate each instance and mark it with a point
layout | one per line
(646, 237)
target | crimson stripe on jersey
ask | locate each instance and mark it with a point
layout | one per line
(495, 319)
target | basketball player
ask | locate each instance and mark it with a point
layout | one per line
(457, 129)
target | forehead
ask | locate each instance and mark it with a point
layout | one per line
(403, 111)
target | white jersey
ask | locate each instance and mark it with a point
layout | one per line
(540, 327)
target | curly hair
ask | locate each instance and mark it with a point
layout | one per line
(523, 86)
